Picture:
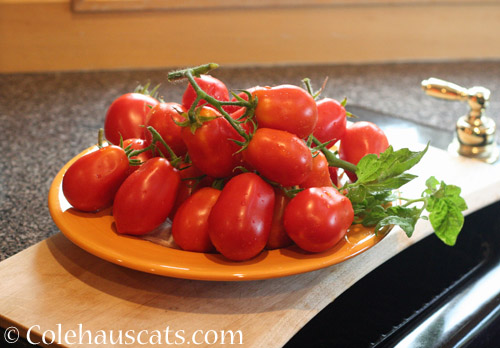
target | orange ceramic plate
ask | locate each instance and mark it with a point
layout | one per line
(95, 233)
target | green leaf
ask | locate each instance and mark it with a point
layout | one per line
(431, 183)
(447, 223)
(404, 217)
(390, 164)
(357, 194)
(374, 215)
(445, 206)
(390, 183)
(406, 224)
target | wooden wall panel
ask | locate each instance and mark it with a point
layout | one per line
(47, 35)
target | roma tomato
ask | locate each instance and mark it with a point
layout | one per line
(209, 85)
(334, 175)
(280, 156)
(190, 225)
(192, 179)
(137, 144)
(360, 139)
(161, 118)
(318, 218)
(240, 221)
(320, 175)
(278, 237)
(91, 182)
(332, 121)
(286, 107)
(146, 197)
(126, 116)
(210, 146)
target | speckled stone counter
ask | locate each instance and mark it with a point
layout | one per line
(49, 118)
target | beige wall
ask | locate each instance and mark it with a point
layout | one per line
(47, 35)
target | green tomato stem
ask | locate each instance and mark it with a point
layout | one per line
(333, 160)
(307, 84)
(100, 137)
(201, 94)
(196, 71)
(174, 159)
(409, 202)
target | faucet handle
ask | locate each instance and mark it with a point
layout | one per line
(444, 90)
(475, 132)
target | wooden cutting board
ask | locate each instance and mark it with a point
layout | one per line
(58, 289)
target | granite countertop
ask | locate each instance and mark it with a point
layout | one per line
(49, 118)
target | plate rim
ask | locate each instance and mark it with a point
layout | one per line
(222, 270)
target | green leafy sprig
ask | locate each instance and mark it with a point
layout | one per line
(374, 191)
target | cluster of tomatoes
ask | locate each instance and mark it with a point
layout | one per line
(233, 177)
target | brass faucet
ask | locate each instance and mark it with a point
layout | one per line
(475, 132)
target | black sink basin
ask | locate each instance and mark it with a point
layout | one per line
(430, 295)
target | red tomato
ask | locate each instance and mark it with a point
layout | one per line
(126, 116)
(240, 221)
(146, 197)
(137, 144)
(360, 139)
(278, 237)
(91, 182)
(210, 146)
(192, 179)
(190, 225)
(332, 121)
(318, 218)
(334, 176)
(320, 175)
(161, 118)
(286, 107)
(209, 85)
(279, 156)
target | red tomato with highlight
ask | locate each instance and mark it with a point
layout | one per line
(332, 121)
(146, 197)
(209, 85)
(240, 221)
(137, 144)
(162, 118)
(320, 175)
(278, 238)
(91, 182)
(318, 218)
(190, 224)
(210, 146)
(286, 107)
(280, 156)
(360, 139)
(126, 116)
